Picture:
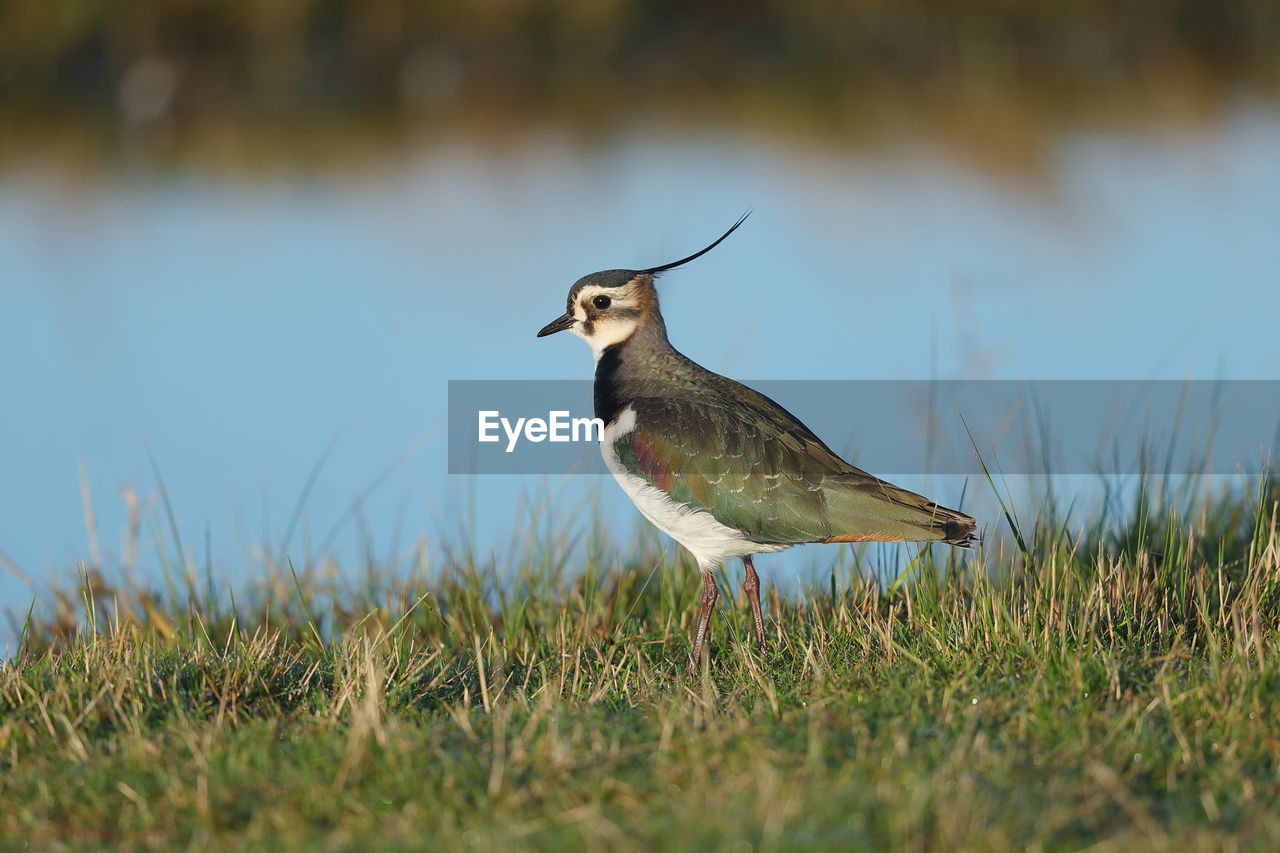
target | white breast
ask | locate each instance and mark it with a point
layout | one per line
(710, 542)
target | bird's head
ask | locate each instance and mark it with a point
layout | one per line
(608, 307)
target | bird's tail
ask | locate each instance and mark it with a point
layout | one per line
(956, 528)
(862, 508)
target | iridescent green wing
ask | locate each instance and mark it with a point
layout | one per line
(756, 469)
(749, 474)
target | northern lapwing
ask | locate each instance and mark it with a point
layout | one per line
(717, 466)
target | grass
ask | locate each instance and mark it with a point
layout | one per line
(1112, 687)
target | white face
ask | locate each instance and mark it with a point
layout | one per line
(604, 316)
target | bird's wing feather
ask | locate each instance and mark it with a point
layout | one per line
(757, 469)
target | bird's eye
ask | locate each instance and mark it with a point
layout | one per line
(602, 302)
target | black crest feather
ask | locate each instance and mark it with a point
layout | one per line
(696, 255)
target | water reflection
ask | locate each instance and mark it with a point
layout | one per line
(235, 329)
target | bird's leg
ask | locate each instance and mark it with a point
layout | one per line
(751, 586)
(709, 595)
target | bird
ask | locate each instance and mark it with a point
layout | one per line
(717, 466)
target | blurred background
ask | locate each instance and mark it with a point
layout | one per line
(244, 245)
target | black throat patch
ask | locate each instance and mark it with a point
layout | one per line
(608, 401)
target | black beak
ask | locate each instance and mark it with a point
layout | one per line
(559, 324)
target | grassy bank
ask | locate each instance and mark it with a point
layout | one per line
(1115, 686)
(301, 83)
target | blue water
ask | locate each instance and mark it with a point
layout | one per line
(235, 327)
